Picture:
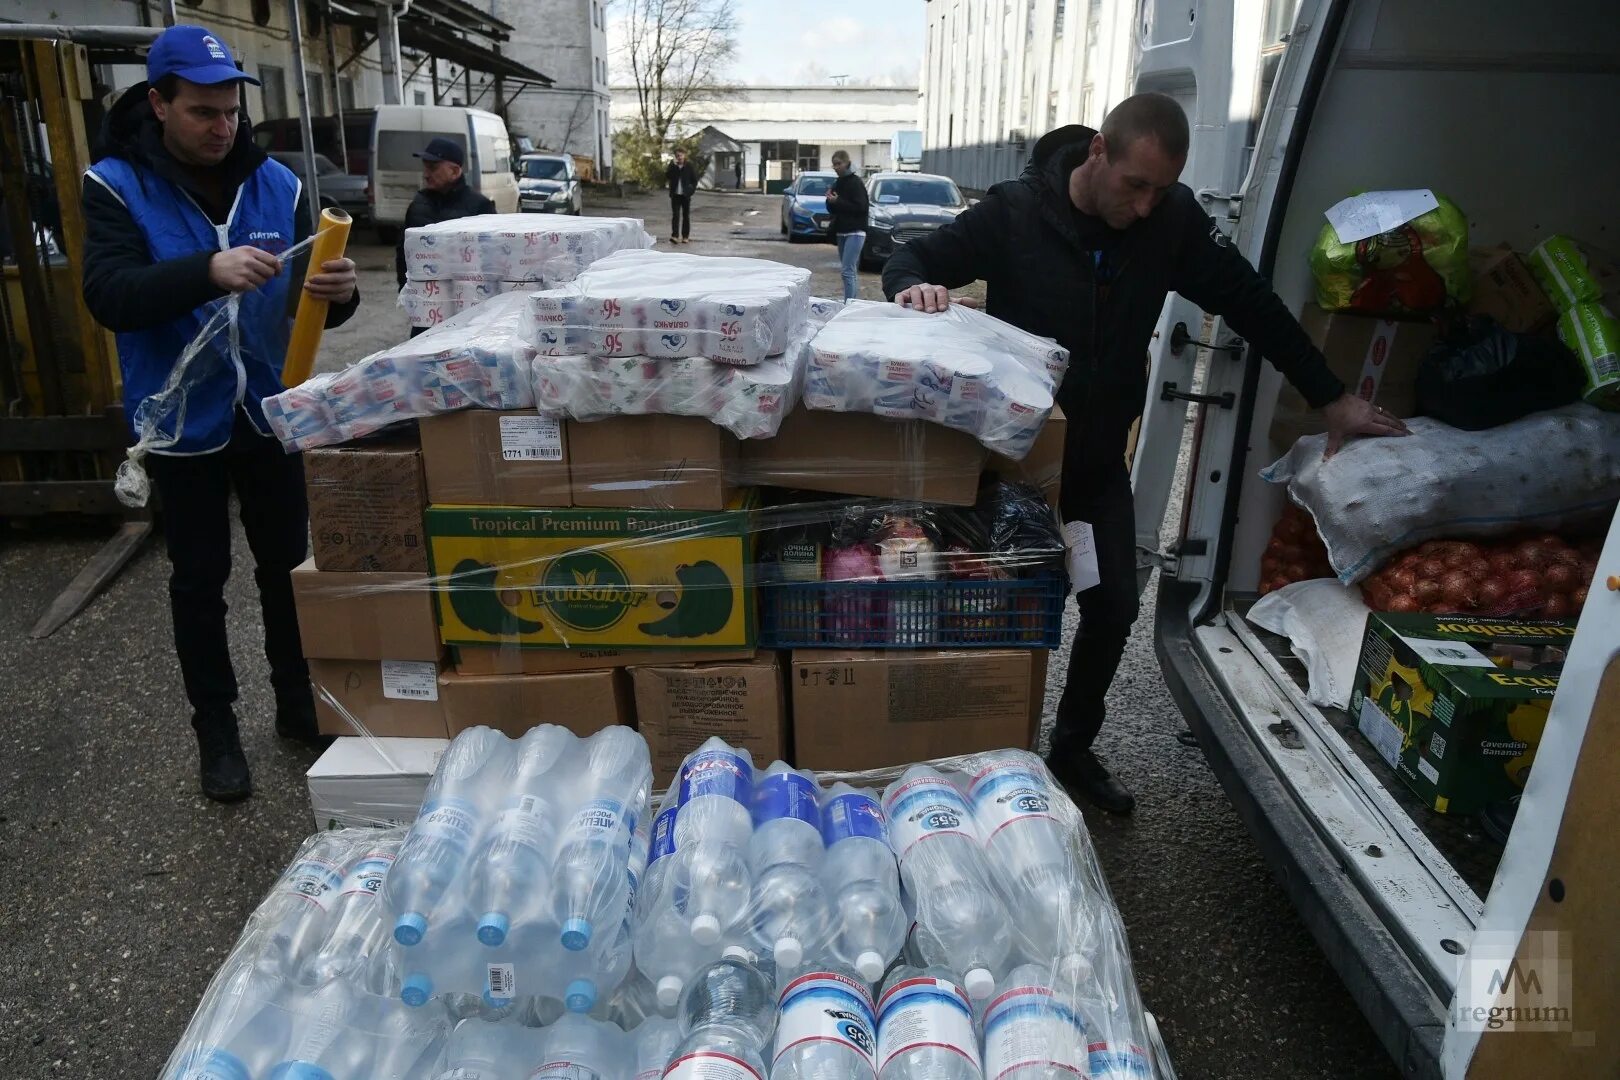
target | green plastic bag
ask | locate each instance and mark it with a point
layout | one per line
(1592, 333)
(1416, 268)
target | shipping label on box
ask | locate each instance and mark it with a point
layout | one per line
(677, 708)
(377, 697)
(582, 579)
(365, 506)
(1456, 705)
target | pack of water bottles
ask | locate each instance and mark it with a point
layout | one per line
(960, 368)
(478, 359)
(668, 305)
(517, 247)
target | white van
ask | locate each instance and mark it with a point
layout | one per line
(1508, 108)
(402, 130)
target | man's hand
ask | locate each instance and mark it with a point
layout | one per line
(832, 196)
(930, 298)
(1351, 415)
(335, 282)
(242, 269)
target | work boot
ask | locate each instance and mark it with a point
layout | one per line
(295, 720)
(222, 767)
(1082, 774)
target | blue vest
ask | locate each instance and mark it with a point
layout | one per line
(242, 365)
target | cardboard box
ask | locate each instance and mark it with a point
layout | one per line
(862, 454)
(383, 697)
(868, 709)
(1043, 465)
(1375, 358)
(510, 660)
(586, 579)
(371, 783)
(1505, 290)
(678, 707)
(1456, 704)
(365, 616)
(365, 506)
(584, 702)
(652, 463)
(483, 457)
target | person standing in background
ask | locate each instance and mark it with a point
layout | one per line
(682, 180)
(445, 195)
(848, 204)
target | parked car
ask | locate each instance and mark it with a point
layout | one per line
(396, 174)
(804, 206)
(287, 134)
(549, 184)
(346, 191)
(905, 207)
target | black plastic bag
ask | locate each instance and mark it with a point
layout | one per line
(1479, 375)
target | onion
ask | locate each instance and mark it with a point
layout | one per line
(1577, 599)
(1432, 568)
(1533, 555)
(1403, 604)
(1560, 577)
(1492, 591)
(1460, 589)
(1557, 607)
(1427, 591)
(1524, 581)
(1401, 580)
(1503, 562)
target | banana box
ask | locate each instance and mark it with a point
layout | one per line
(593, 579)
(1456, 704)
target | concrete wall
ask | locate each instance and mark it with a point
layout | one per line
(567, 40)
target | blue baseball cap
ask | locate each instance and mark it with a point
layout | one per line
(195, 54)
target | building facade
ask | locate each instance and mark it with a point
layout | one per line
(799, 125)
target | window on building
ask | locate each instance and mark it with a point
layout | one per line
(273, 89)
(346, 91)
(317, 94)
(314, 18)
(1058, 17)
(1029, 22)
(421, 97)
(809, 157)
(261, 12)
(1051, 110)
(950, 131)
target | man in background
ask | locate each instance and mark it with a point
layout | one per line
(445, 195)
(847, 203)
(682, 180)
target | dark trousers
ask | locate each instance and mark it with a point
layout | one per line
(680, 215)
(1101, 496)
(196, 492)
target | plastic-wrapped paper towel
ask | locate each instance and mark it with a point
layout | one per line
(517, 247)
(960, 368)
(479, 359)
(672, 305)
(429, 303)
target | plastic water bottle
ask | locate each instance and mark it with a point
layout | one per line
(656, 1040)
(437, 847)
(381, 1039)
(925, 1028)
(787, 820)
(1032, 1030)
(358, 932)
(826, 1028)
(1033, 854)
(481, 1050)
(319, 1021)
(447, 961)
(589, 881)
(512, 871)
(579, 1048)
(726, 1015)
(961, 921)
(869, 923)
(246, 1031)
(665, 951)
(713, 825)
(787, 919)
(586, 979)
(299, 913)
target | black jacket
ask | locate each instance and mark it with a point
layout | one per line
(431, 207)
(123, 288)
(1100, 294)
(848, 211)
(687, 174)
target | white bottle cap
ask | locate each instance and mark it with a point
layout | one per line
(737, 952)
(979, 983)
(705, 929)
(669, 991)
(789, 952)
(870, 965)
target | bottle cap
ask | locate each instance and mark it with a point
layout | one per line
(580, 996)
(299, 1070)
(409, 928)
(705, 929)
(416, 991)
(737, 952)
(669, 991)
(979, 984)
(870, 965)
(492, 928)
(576, 935)
(789, 952)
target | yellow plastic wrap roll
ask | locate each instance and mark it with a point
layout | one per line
(310, 322)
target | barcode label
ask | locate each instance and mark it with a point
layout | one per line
(502, 981)
(531, 438)
(1381, 732)
(1447, 653)
(410, 680)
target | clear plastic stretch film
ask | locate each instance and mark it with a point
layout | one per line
(955, 905)
(517, 247)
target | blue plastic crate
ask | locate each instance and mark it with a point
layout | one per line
(1024, 614)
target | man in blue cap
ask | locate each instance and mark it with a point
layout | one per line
(182, 209)
(445, 195)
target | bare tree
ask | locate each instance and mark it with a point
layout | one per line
(676, 52)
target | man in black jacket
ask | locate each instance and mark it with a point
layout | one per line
(445, 195)
(1083, 248)
(682, 180)
(182, 209)
(847, 203)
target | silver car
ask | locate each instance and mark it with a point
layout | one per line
(344, 189)
(549, 184)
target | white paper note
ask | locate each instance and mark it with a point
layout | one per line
(1375, 212)
(1083, 575)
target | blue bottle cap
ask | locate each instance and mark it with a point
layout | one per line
(417, 990)
(580, 996)
(409, 928)
(492, 928)
(576, 935)
(299, 1070)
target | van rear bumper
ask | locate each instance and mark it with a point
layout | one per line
(1381, 978)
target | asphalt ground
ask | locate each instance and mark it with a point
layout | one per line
(124, 888)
